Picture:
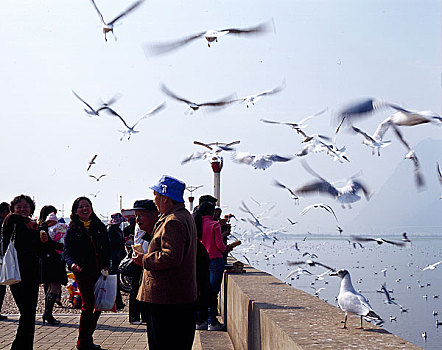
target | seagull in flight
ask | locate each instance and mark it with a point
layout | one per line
(439, 174)
(294, 196)
(310, 262)
(250, 100)
(210, 36)
(377, 240)
(91, 162)
(109, 26)
(363, 108)
(131, 129)
(255, 222)
(432, 266)
(319, 206)
(296, 125)
(214, 149)
(95, 112)
(374, 142)
(298, 271)
(97, 178)
(292, 222)
(344, 195)
(222, 103)
(350, 301)
(262, 161)
(389, 299)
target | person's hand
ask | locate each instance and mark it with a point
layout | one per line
(137, 257)
(229, 248)
(43, 236)
(76, 268)
(105, 272)
(32, 225)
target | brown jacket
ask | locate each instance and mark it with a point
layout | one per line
(169, 274)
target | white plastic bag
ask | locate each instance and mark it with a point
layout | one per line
(105, 291)
(10, 272)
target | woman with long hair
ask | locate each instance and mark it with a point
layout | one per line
(29, 243)
(86, 251)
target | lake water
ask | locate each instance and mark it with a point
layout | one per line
(420, 292)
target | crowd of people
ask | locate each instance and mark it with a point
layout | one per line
(178, 263)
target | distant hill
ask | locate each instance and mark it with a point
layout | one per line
(398, 206)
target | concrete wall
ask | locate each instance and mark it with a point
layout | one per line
(262, 313)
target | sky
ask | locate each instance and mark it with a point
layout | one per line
(328, 53)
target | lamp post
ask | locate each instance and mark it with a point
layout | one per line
(216, 162)
(191, 197)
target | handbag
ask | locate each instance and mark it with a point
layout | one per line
(128, 267)
(10, 272)
(105, 291)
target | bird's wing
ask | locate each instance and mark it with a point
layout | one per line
(306, 209)
(318, 187)
(87, 104)
(98, 11)
(243, 157)
(93, 176)
(112, 111)
(193, 156)
(221, 102)
(102, 175)
(173, 95)
(273, 122)
(162, 48)
(362, 239)
(232, 143)
(277, 158)
(364, 134)
(439, 174)
(357, 185)
(400, 244)
(203, 144)
(260, 28)
(382, 129)
(151, 112)
(329, 209)
(323, 265)
(93, 158)
(311, 171)
(125, 12)
(272, 91)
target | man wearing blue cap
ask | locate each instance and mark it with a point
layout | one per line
(168, 287)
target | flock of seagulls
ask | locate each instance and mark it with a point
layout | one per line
(349, 299)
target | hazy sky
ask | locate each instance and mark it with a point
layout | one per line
(327, 52)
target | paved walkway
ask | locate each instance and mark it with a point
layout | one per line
(113, 333)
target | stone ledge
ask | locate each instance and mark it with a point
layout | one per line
(262, 312)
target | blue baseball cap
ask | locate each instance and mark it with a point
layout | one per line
(170, 187)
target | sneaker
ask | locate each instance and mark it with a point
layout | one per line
(216, 327)
(136, 323)
(201, 326)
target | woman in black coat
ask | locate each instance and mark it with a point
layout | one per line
(30, 244)
(53, 266)
(86, 251)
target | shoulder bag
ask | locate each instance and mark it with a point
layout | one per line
(10, 272)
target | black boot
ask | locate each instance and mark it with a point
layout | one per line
(49, 305)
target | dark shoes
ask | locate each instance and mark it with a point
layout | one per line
(3, 317)
(92, 347)
(120, 306)
(50, 320)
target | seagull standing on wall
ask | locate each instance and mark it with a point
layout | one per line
(350, 301)
(109, 26)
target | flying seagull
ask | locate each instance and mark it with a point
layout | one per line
(377, 240)
(432, 266)
(439, 174)
(310, 263)
(250, 100)
(389, 299)
(319, 206)
(363, 108)
(262, 161)
(109, 26)
(214, 149)
(210, 36)
(222, 103)
(350, 301)
(97, 178)
(296, 125)
(346, 194)
(91, 162)
(95, 112)
(131, 129)
(294, 196)
(374, 142)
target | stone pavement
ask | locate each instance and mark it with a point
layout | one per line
(113, 333)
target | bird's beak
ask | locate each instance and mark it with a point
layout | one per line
(333, 274)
